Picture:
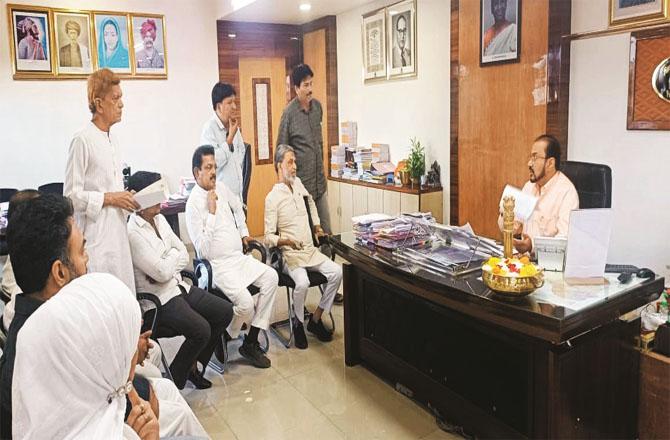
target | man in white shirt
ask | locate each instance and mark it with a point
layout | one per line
(216, 224)
(287, 226)
(94, 183)
(158, 258)
(222, 132)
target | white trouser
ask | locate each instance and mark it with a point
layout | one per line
(243, 303)
(175, 416)
(333, 273)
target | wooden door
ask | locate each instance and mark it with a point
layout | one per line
(263, 177)
(314, 55)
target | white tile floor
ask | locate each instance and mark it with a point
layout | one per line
(307, 394)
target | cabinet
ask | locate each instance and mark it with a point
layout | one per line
(349, 198)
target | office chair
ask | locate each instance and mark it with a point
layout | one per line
(593, 183)
(6, 194)
(316, 279)
(51, 188)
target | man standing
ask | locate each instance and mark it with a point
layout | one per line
(216, 224)
(94, 183)
(287, 226)
(300, 127)
(556, 195)
(222, 132)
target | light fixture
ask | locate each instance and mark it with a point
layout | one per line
(232, 35)
(392, 12)
(304, 7)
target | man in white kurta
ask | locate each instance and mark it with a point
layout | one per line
(94, 183)
(287, 226)
(216, 224)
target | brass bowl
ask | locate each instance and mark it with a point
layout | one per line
(405, 178)
(513, 286)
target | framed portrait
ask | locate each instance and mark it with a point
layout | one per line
(73, 43)
(499, 31)
(112, 41)
(633, 13)
(148, 43)
(374, 45)
(30, 35)
(401, 19)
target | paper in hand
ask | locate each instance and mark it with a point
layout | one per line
(524, 204)
(152, 194)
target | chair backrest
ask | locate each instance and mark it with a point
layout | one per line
(51, 188)
(593, 183)
(6, 194)
(311, 223)
(246, 172)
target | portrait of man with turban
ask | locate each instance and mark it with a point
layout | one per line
(148, 56)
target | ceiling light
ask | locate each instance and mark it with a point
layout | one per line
(305, 7)
(232, 35)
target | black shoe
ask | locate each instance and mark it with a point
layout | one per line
(319, 331)
(253, 353)
(199, 380)
(339, 298)
(220, 350)
(299, 336)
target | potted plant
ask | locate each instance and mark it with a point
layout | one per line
(416, 162)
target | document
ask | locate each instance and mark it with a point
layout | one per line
(524, 204)
(152, 195)
(588, 243)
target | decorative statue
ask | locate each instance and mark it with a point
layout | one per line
(433, 178)
(508, 225)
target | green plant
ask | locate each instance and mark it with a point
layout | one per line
(416, 162)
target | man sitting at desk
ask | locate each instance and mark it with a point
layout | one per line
(556, 195)
(287, 226)
(216, 225)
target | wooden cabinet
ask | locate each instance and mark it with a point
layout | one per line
(348, 199)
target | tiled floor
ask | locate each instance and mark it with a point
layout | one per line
(307, 394)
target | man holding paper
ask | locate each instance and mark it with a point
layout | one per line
(556, 195)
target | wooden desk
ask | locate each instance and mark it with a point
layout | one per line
(500, 369)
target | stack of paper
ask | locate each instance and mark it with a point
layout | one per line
(337, 160)
(363, 159)
(153, 194)
(349, 133)
(389, 232)
(380, 153)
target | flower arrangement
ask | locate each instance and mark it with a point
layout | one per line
(510, 267)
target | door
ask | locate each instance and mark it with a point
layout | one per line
(263, 176)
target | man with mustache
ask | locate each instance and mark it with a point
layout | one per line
(556, 195)
(216, 224)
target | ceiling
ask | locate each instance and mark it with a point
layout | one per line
(284, 11)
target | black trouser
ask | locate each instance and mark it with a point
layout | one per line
(201, 318)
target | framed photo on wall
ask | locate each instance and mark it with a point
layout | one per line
(374, 45)
(634, 13)
(148, 43)
(74, 43)
(30, 33)
(500, 31)
(111, 41)
(402, 32)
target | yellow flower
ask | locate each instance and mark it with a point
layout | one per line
(493, 261)
(528, 270)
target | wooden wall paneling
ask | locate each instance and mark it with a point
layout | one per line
(453, 116)
(314, 54)
(497, 118)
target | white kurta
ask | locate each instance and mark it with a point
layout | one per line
(218, 238)
(93, 169)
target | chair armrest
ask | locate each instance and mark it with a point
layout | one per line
(190, 275)
(260, 247)
(276, 258)
(153, 299)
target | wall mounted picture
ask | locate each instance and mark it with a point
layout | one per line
(31, 41)
(660, 80)
(500, 28)
(111, 39)
(635, 13)
(374, 45)
(74, 43)
(401, 19)
(148, 37)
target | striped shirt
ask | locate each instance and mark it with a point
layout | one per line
(302, 130)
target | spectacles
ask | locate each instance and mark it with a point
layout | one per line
(534, 157)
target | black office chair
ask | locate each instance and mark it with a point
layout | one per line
(203, 278)
(593, 183)
(316, 279)
(51, 188)
(246, 172)
(6, 194)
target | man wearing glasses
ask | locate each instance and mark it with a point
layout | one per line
(401, 53)
(556, 195)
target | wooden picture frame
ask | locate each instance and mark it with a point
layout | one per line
(647, 110)
(147, 64)
(262, 98)
(401, 44)
(373, 37)
(630, 14)
(72, 27)
(113, 28)
(31, 41)
(499, 32)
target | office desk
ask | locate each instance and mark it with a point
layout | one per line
(556, 364)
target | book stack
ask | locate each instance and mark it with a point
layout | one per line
(348, 133)
(337, 160)
(390, 232)
(363, 159)
(380, 153)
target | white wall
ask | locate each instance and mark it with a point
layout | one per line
(394, 111)
(597, 133)
(161, 120)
